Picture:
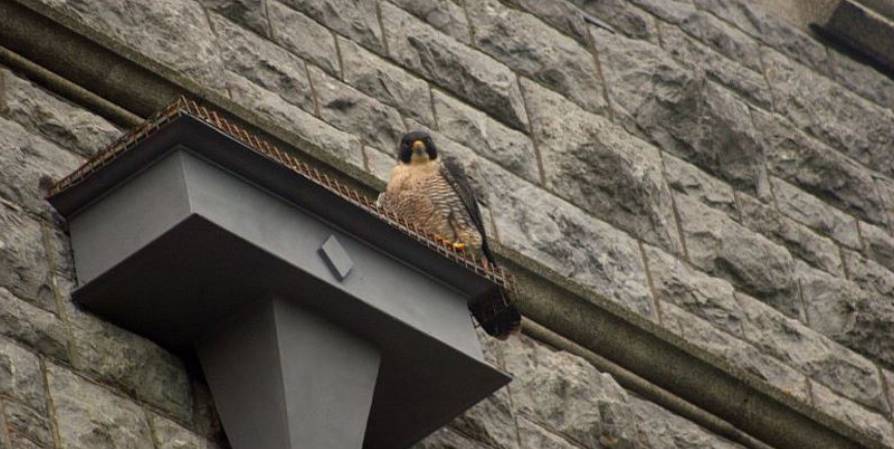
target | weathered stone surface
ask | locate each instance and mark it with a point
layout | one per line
(89, 417)
(24, 270)
(471, 75)
(709, 298)
(491, 422)
(251, 14)
(759, 22)
(726, 249)
(818, 169)
(486, 136)
(173, 32)
(63, 123)
(723, 38)
(529, 46)
(600, 167)
(33, 327)
(171, 435)
(339, 144)
(565, 239)
(673, 11)
(812, 212)
(569, 395)
(28, 423)
(391, 84)
(849, 123)
(21, 377)
(18, 442)
(803, 243)
(379, 163)
(560, 14)
(862, 78)
(621, 16)
(879, 244)
(682, 112)
(264, 63)
(750, 84)
(355, 19)
(869, 275)
(737, 353)
(206, 422)
(446, 438)
(303, 36)
(350, 110)
(28, 165)
(856, 318)
(872, 424)
(815, 355)
(447, 16)
(132, 363)
(694, 182)
(533, 435)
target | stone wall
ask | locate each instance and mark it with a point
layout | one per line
(706, 166)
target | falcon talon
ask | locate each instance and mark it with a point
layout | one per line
(459, 246)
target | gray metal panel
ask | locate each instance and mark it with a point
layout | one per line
(283, 378)
(294, 235)
(128, 218)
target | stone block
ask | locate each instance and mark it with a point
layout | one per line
(339, 144)
(472, 76)
(28, 165)
(131, 363)
(65, 124)
(27, 423)
(490, 422)
(303, 36)
(170, 435)
(379, 163)
(819, 170)
(879, 244)
(387, 82)
(446, 16)
(661, 429)
(723, 248)
(673, 11)
(21, 377)
(710, 298)
(510, 148)
(856, 74)
(621, 16)
(350, 110)
(173, 32)
(24, 268)
(834, 114)
(746, 82)
(818, 251)
(32, 327)
(723, 38)
(90, 417)
(560, 14)
(600, 167)
(263, 63)
(532, 435)
(821, 359)
(682, 112)
(686, 178)
(868, 274)
(251, 14)
(758, 21)
(355, 19)
(526, 44)
(811, 211)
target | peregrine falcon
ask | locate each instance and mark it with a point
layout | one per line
(434, 194)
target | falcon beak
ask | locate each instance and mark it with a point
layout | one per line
(418, 147)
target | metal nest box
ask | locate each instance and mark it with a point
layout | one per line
(320, 321)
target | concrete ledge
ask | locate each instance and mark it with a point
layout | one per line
(868, 31)
(588, 320)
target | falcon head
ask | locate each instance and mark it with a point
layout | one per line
(416, 147)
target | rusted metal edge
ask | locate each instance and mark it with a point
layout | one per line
(183, 106)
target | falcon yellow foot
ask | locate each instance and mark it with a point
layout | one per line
(459, 246)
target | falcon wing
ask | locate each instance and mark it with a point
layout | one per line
(455, 175)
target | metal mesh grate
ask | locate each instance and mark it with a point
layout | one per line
(186, 107)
